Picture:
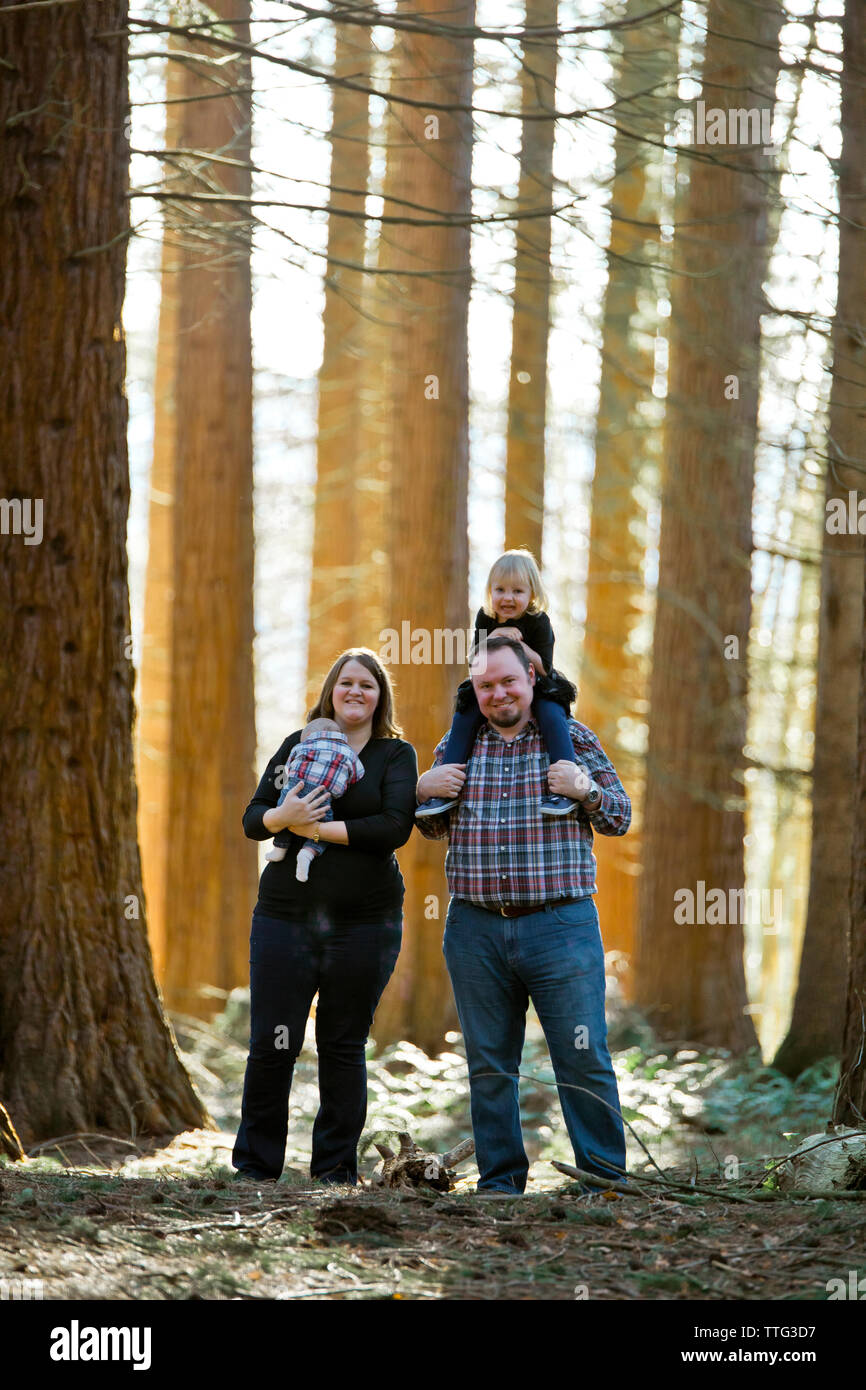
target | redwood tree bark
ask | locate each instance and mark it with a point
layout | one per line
(849, 1107)
(819, 1004)
(850, 1101)
(83, 1041)
(613, 677)
(372, 450)
(429, 164)
(690, 978)
(530, 323)
(203, 433)
(153, 742)
(340, 578)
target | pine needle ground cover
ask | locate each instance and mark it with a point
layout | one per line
(132, 1218)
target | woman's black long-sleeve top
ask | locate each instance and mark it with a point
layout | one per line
(360, 881)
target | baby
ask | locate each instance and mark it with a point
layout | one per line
(323, 758)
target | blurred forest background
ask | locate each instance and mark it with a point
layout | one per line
(402, 286)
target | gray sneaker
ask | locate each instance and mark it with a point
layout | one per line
(557, 806)
(435, 806)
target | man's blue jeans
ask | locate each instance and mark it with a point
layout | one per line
(556, 959)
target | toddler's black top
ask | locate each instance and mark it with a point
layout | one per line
(536, 629)
(360, 881)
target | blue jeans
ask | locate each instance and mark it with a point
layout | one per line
(349, 964)
(556, 959)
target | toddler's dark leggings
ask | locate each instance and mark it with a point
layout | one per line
(552, 721)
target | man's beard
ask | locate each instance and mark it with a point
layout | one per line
(505, 719)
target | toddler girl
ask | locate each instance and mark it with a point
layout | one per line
(515, 604)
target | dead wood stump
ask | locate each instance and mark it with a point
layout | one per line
(825, 1162)
(414, 1167)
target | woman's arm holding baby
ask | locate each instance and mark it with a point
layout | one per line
(263, 817)
(298, 813)
(332, 832)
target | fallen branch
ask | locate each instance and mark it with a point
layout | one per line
(836, 1194)
(686, 1187)
(238, 1225)
(82, 1135)
(606, 1184)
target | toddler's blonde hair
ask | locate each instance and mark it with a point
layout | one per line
(517, 564)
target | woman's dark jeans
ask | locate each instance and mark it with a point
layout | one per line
(350, 965)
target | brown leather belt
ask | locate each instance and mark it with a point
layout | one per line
(540, 907)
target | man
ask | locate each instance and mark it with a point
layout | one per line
(522, 923)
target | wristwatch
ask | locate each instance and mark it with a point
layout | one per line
(593, 796)
(315, 836)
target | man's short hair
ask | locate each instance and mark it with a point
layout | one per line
(497, 643)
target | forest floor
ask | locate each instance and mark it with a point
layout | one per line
(91, 1217)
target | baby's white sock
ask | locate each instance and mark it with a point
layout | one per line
(276, 854)
(305, 859)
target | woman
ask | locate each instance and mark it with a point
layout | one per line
(339, 933)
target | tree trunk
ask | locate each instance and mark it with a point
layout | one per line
(210, 868)
(154, 691)
(819, 1004)
(83, 1041)
(782, 855)
(850, 1101)
(530, 323)
(690, 978)
(849, 1107)
(372, 448)
(339, 580)
(372, 468)
(428, 455)
(613, 677)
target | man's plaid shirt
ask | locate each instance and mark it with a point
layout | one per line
(503, 852)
